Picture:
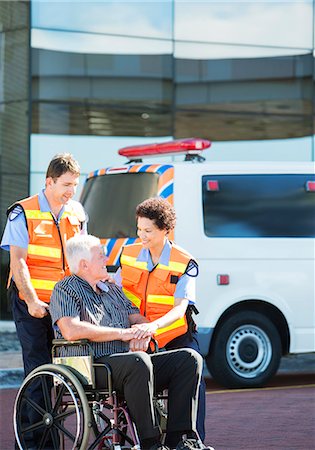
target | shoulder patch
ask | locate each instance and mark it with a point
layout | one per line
(16, 211)
(192, 268)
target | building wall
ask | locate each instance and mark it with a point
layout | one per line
(14, 117)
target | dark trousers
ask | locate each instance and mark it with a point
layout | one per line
(187, 341)
(138, 375)
(35, 336)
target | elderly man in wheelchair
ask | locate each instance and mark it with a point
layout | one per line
(103, 378)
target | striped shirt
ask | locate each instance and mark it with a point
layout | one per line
(75, 297)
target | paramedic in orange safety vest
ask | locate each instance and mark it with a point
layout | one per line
(35, 235)
(159, 278)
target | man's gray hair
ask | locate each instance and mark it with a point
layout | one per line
(78, 248)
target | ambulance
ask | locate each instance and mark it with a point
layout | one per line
(251, 227)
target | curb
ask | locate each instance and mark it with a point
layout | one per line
(11, 378)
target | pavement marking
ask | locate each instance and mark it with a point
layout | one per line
(275, 388)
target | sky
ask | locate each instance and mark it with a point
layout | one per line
(222, 29)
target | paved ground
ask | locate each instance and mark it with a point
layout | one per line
(279, 417)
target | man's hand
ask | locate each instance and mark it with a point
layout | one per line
(145, 330)
(37, 308)
(127, 334)
(22, 278)
(139, 345)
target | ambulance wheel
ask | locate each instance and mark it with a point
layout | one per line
(59, 418)
(245, 352)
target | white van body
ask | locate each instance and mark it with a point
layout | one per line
(266, 308)
(279, 271)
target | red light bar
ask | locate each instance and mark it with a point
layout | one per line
(310, 186)
(212, 185)
(190, 146)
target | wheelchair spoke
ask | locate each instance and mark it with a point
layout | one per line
(58, 400)
(64, 431)
(43, 439)
(65, 414)
(55, 438)
(46, 393)
(37, 407)
(33, 427)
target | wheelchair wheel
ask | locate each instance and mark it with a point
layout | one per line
(59, 418)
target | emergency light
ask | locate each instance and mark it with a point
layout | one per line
(192, 146)
(310, 186)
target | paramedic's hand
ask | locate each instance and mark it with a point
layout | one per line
(127, 334)
(108, 278)
(139, 345)
(37, 308)
(145, 330)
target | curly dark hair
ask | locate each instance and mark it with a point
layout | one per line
(159, 210)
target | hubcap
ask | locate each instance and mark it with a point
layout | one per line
(248, 351)
(48, 420)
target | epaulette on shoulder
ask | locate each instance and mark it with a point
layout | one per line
(192, 269)
(14, 211)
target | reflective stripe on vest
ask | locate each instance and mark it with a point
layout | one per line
(178, 323)
(132, 262)
(173, 265)
(46, 285)
(39, 250)
(162, 299)
(132, 297)
(36, 214)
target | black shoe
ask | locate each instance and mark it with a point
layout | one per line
(192, 444)
(159, 446)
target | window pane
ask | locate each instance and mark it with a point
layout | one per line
(259, 206)
(241, 99)
(112, 219)
(134, 18)
(267, 23)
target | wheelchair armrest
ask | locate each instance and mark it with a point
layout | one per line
(109, 375)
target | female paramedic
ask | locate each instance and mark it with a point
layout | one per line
(159, 278)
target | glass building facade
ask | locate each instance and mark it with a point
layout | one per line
(92, 76)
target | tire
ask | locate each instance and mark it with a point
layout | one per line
(63, 417)
(245, 352)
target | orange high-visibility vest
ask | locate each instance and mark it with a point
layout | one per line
(153, 292)
(46, 258)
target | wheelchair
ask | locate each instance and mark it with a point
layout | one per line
(73, 414)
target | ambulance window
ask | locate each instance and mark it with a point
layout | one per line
(111, 200)
(258, 206)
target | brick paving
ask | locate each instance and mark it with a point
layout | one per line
(272, 418)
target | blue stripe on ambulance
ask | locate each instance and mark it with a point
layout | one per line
(167, 191)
